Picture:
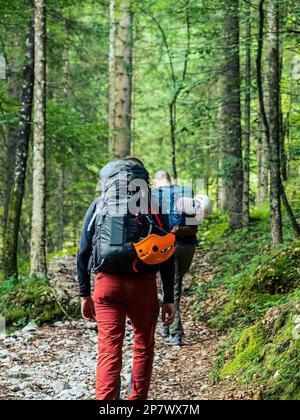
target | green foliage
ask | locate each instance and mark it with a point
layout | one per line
(64, 251)
(30, 299)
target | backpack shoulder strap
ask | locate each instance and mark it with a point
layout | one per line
(99, 210)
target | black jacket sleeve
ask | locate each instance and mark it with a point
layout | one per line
(167, 270)
(85, 251)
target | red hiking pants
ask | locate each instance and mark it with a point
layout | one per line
(115, 297)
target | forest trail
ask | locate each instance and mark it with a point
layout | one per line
(185, 373)
(59, 361)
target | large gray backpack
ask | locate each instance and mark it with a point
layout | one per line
(116, 228)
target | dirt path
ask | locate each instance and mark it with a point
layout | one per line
(185, 373)
(59, 362)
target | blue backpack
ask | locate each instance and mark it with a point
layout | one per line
(167, 197)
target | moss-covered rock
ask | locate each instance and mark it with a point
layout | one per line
(248, 351)
(32, 299)
(267, 354)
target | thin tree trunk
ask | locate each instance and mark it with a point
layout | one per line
(111, 75)
(10, 138)
(288, 158)
(172, 112)
(288, 208)
(247, 139)
(121, 83)
(282, 147)
(222, 190)
(61, 207)
(283, 157)
(263, 167)
(274, 123)
(38, 230)
(233, 162)
(207, 157)
(16, 197)
(177, 87)
(60, 237)
(221, 187)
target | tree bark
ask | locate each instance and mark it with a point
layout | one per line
(120, 91)
(263, 167)
(233, 162)
(265, 121)
(222, 190)
(173, 124)
(111, 76)
(61, 207)
(274, 123)
(16, 196)
(283, 154)
(38, 230)
(10, 137)
(247, 137)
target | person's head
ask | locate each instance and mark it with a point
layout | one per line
(162, 179)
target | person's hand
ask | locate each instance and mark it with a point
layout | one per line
(175, 230)
(168, 313)
(88, 309)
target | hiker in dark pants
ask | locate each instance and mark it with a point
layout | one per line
(168, 195)
(125, 251)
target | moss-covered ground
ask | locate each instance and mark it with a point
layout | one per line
(261, 312)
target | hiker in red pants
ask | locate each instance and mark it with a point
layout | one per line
(125, 250)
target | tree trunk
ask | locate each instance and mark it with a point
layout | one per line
(263, 168)
(247, 138)
(16, 197)
(120, 91)
(282, 146)
(111, 75)
(233, 162)
(221, 187)
(274, 123)
(283, 155)
(38, 234)
(60, 237)
(61, 207)
(273, 149)
(172, 112)
(222, 190)
(10, 138)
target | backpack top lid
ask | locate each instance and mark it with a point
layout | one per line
(112, 171)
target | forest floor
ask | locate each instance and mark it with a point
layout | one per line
(59, 361)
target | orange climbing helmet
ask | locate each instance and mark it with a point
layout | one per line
(155, 249)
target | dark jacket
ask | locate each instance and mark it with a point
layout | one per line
(167, 269)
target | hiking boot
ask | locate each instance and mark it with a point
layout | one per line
(174, 340)
(165, 331)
